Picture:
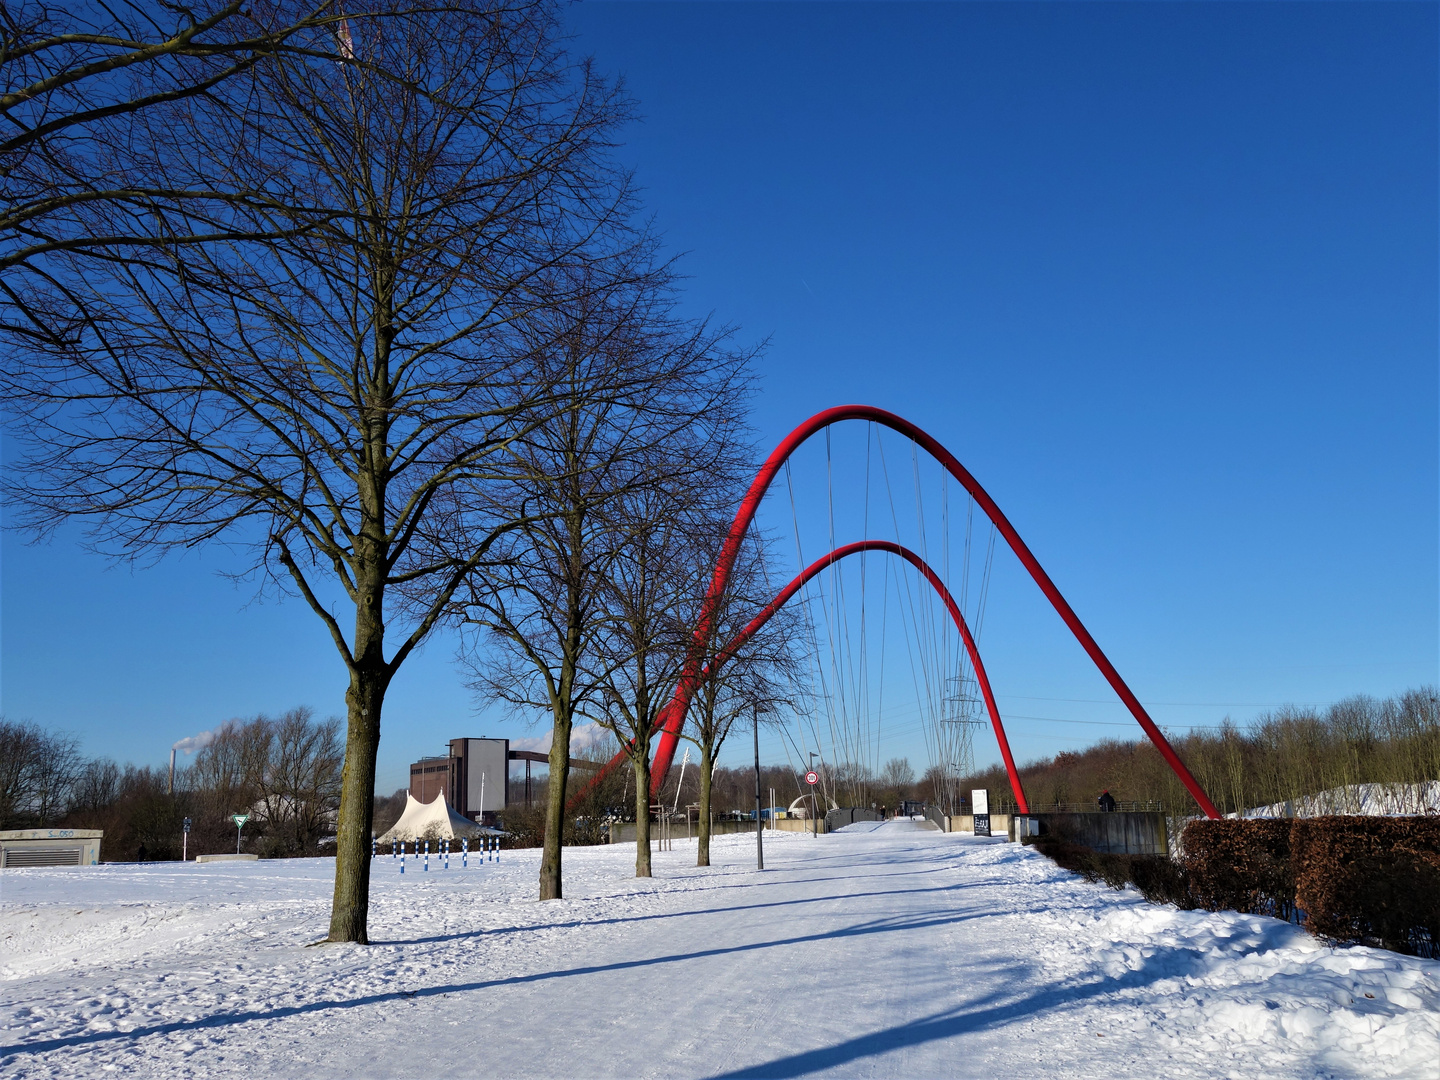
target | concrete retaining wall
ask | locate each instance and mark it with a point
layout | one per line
(1000, 825)
(1120, 833)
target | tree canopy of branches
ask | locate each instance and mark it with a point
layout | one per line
(643, 400)
(1282, 756)
(75, 81)
(310, 389)
(38, 768)
(285, 771)
(758, 679)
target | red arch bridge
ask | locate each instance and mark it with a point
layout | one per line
(695, 672)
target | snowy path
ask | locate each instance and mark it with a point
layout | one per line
(893, 952)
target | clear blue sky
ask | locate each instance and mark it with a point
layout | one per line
(1164, 276)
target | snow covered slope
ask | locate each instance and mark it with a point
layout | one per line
(892, 952)
(1367, 799)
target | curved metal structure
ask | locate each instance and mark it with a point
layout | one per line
(939, 586)
(783, 597)
(690, 677)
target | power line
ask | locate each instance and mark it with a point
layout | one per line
(1181, 704)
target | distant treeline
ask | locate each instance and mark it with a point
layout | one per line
(1279, 756)
(284, 772)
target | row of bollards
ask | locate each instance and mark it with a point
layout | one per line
(489, 849)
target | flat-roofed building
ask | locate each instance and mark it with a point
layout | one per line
(474, 777)
(49, 847)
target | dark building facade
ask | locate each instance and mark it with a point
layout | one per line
(474, 777)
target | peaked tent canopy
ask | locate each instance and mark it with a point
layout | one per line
(433, 820)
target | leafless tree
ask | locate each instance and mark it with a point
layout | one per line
(38, 770)
(77, 78)
(761, 677)
(649, 600)
(228, 775)
(97, 788)
(310, 390)
(300, 788)
(629, 378)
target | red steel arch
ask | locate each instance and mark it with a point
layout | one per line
(689, 678)
(799, 582)
(939, 586)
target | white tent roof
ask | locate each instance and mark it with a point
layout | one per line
(434, 819)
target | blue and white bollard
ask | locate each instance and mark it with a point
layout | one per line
(447, 854)
(465, 853)
(402, 858)
(497, 849)
(427, 856)
(374, 848)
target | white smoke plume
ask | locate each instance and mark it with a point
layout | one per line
(192, 743)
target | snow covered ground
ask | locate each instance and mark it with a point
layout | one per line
(886, 952)
(1367, 799)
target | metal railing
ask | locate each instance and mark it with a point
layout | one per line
(1093, 808)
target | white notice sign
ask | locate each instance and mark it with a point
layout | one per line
(980, 800)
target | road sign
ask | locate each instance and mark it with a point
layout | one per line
(812, 778)
(187, 825)
(239, 819)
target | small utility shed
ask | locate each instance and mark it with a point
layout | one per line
(50, 847)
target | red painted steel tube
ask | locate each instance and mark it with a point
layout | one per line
(939, 586)
(783, 597)
(665, 752)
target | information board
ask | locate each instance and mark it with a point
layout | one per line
(980, 804)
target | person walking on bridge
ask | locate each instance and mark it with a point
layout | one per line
(1106, 801)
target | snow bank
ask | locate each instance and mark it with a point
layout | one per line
(1373, 800)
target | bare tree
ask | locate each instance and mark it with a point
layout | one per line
(300, 788)
(97, 787)
(76, 79)
(628, 378)
(644, 638)
(228, 775)
(38, 771)
(310, 391)
(760, 676)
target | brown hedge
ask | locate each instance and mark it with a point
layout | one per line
(1161, 880)
(1350, 880)
(1241, 866)
(1369, 880)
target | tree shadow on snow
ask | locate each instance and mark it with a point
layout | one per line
(986, 1013)
(621, 919)
(874, 926)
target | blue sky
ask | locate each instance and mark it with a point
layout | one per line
(1163, 276)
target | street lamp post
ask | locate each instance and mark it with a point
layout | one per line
(759, 832)
(814, 802)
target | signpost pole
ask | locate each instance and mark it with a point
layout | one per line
(812, 778)
(239, 820)
(759, 832)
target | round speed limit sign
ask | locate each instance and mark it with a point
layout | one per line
(812, 778)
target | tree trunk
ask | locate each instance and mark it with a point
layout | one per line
(369, 678)
(550, 884)
(642, 812)
(702, 856)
